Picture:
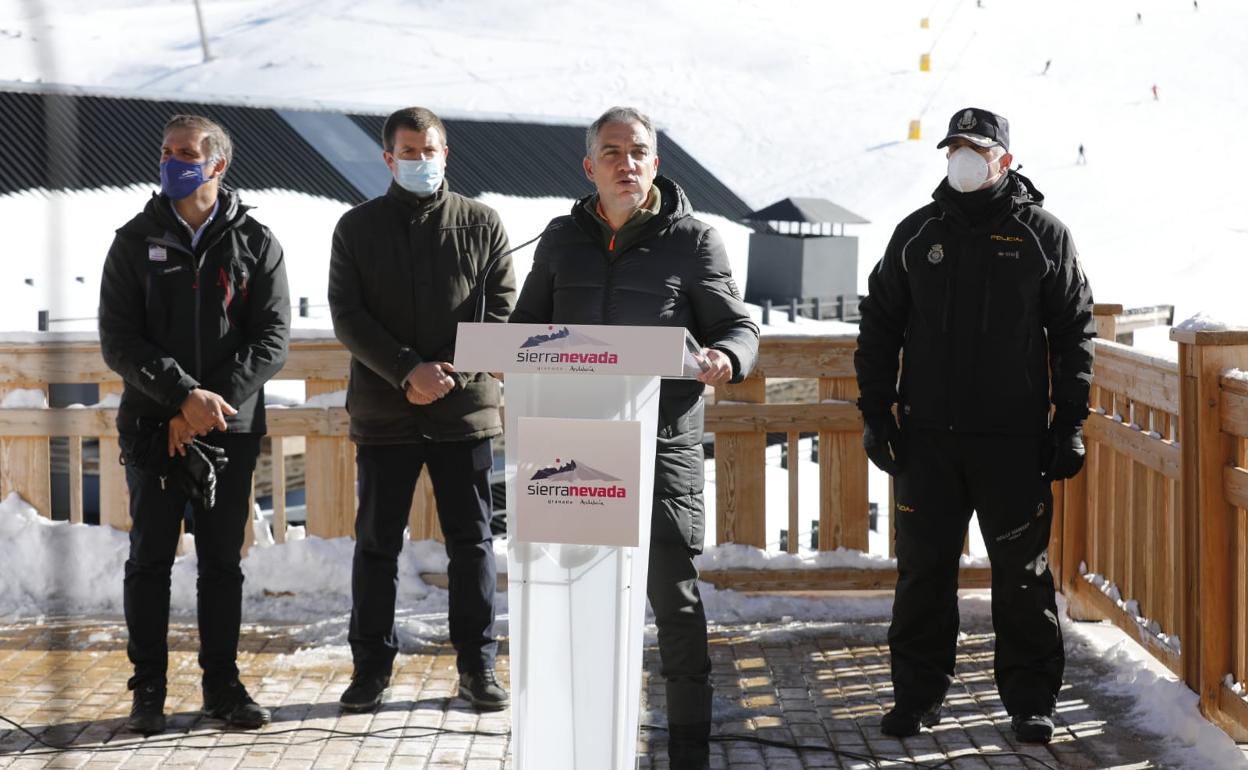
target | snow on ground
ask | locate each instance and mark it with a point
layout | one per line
(54, 568)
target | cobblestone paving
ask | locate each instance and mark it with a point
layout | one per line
(824, 685)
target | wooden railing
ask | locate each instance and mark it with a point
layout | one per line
(1153, 536)
(1160, 513)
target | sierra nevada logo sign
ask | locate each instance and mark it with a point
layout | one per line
(566, 347)
(569, 479)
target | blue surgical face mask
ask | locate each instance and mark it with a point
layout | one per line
(422, 177)
(179, 179)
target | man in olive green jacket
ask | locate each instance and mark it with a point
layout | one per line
(405, 269)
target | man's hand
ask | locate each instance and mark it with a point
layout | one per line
(206, 411)
(428, 382)
(1063, 452)
(882, 439)
(719, 367)
(180, 434)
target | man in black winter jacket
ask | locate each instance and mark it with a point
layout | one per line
(194, 315)
(405, 269)
(982, 293)
(633, 254)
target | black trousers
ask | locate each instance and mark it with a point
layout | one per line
(947, 476)
(156, 515)
(387, 477)
(676, 527)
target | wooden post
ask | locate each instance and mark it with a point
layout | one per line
(277, 464)
(114, 493)
(1106, 317)
(795, 462)
(25, 463)
(843, 499)
(740, 473)
(422, 522)
(75, 479)
(330, 476)
(1207, 516)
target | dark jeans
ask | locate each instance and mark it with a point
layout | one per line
(156, 515)
(387, 476)
(679, 616)
(947, 475)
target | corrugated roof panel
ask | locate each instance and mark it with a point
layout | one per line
(116, 142)
(77, 141)
(539, 160)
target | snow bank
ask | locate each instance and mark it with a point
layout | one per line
(24, 398)
(1161, 704)
(1211, 322)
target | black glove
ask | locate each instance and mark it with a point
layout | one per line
(882, 439)
(1063, 453)
(195, 474)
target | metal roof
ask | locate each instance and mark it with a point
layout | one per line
(810, 210)
(538, 160)
(78, 141)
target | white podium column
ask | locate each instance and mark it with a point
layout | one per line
(577, 611)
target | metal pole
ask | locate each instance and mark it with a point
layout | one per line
(766, 312)
(203, 34)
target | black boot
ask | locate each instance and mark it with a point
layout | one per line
(903, 722)
(147, 712)
(1032, 728)
(231, 703)
(689, 746)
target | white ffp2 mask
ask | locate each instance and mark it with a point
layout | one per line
(968, 171)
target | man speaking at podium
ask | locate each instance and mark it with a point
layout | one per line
(632, 254)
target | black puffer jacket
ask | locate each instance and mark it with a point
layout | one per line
(984, 293)
(402, 274)
(173, 318)
(673, 272)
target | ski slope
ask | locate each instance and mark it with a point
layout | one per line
(801, 98)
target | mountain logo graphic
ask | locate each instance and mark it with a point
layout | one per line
(571, 471)
(563, 338)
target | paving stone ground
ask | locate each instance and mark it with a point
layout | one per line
(822, 686)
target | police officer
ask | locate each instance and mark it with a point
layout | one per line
(982, 293)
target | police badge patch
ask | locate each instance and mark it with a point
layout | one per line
(967, 120)
(936, 254)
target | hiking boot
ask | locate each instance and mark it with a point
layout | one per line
(366, 692)
(481, 689)
(688, 746)
(147, 712)
(231, 703)
(1032, 728)
(903, 723)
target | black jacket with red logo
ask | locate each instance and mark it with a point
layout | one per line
(173, 318)
(983, 295)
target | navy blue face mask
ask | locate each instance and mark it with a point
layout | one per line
(179, 179)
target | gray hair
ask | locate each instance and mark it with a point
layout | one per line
(620, 115)
(216, 143)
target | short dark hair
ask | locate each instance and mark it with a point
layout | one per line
(620, 115)
(414, 118)
(216, 143)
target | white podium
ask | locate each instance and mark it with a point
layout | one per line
(581, 419)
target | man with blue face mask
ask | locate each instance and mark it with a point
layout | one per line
(405, 269)
(195, 317)
(982, 294)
